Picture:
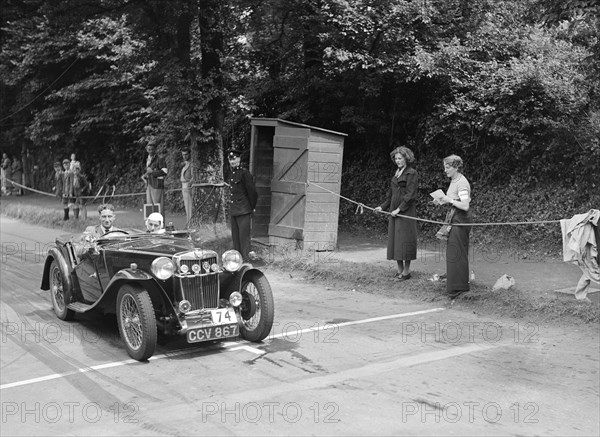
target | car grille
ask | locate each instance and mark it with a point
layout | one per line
(202, 291)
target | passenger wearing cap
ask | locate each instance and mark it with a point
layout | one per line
(242, 201)
(154, 223)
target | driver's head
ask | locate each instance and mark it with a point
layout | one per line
(154, 222)
(107, 215)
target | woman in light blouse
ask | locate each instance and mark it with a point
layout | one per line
(458, 197)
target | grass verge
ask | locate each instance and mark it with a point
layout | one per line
(481, 298)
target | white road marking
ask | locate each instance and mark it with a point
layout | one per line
(233, 345)
(249, 349)
(290, 333)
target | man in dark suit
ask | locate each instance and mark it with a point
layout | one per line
(242, 201)
(156, 171)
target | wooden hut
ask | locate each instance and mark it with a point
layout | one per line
(287, 159)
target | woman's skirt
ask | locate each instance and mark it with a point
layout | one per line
(402, 237)
(457, 253)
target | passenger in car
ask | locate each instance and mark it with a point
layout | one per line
(154, 223)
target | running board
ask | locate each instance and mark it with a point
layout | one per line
(79, 307)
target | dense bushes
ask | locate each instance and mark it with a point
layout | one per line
(517, 200)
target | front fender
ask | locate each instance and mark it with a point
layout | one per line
(158, 295)
(54, 254)
(233, 281)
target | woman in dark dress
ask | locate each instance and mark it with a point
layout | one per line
(401, 198)
(458, 197)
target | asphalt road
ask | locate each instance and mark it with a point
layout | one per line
(338, 362)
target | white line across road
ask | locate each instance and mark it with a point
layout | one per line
(233, 345)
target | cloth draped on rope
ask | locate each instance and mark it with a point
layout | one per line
(580, 246)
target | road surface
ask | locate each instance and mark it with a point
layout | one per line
(338, 362)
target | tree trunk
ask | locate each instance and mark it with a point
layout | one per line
(210, 18)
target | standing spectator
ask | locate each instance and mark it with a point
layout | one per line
(27, 162)
(17, 175)
(73, 161)
(58, 183)
(65, 191)
(401, 199)
(243, 198)
(156, 170)
(76, 186)
(6, 167)
(35, 176)
(458, 197)
(187, 179)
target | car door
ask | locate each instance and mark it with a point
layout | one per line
(87, 272)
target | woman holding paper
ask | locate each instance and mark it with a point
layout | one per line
(400, 199)
(458, 197)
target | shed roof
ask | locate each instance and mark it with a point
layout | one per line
(257, 121)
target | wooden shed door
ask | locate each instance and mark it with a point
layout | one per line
(288, 186)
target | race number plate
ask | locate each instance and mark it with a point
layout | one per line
(212, 333)
(223, 315)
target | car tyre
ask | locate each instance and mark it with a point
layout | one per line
(137, 322)
(60, 292)
(257, 309)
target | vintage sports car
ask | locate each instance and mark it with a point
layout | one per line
(158, 282)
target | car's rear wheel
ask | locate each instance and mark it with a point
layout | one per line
(137, 322)
(257, 309)
(59, 293)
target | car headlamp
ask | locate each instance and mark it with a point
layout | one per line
(163, 268)
(232, 260)
(235, 299)
(185, 306)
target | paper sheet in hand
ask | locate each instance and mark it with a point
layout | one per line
(438, 194)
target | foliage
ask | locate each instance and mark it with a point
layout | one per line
(511, 86)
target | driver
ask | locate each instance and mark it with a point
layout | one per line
(107, 217)
(106, 214)
(154, 223)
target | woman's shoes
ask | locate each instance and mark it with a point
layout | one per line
(404, 277)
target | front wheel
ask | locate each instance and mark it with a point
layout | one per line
(257, 309)
(60, 293)
(137, 322)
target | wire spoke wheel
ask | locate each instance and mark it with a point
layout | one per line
(137, 322)
(257, 308)
(58, 290)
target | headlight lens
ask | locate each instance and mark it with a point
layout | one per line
(232, 260)
(185, 306)
(235, 299)
(163, 268)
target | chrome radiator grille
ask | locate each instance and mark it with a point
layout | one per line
(202, 290)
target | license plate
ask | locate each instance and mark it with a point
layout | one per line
(223, 315)
(212, 333)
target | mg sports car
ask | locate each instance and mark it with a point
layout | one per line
(159, 283)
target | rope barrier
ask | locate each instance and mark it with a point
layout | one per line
(361, 207)
(200, 184)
